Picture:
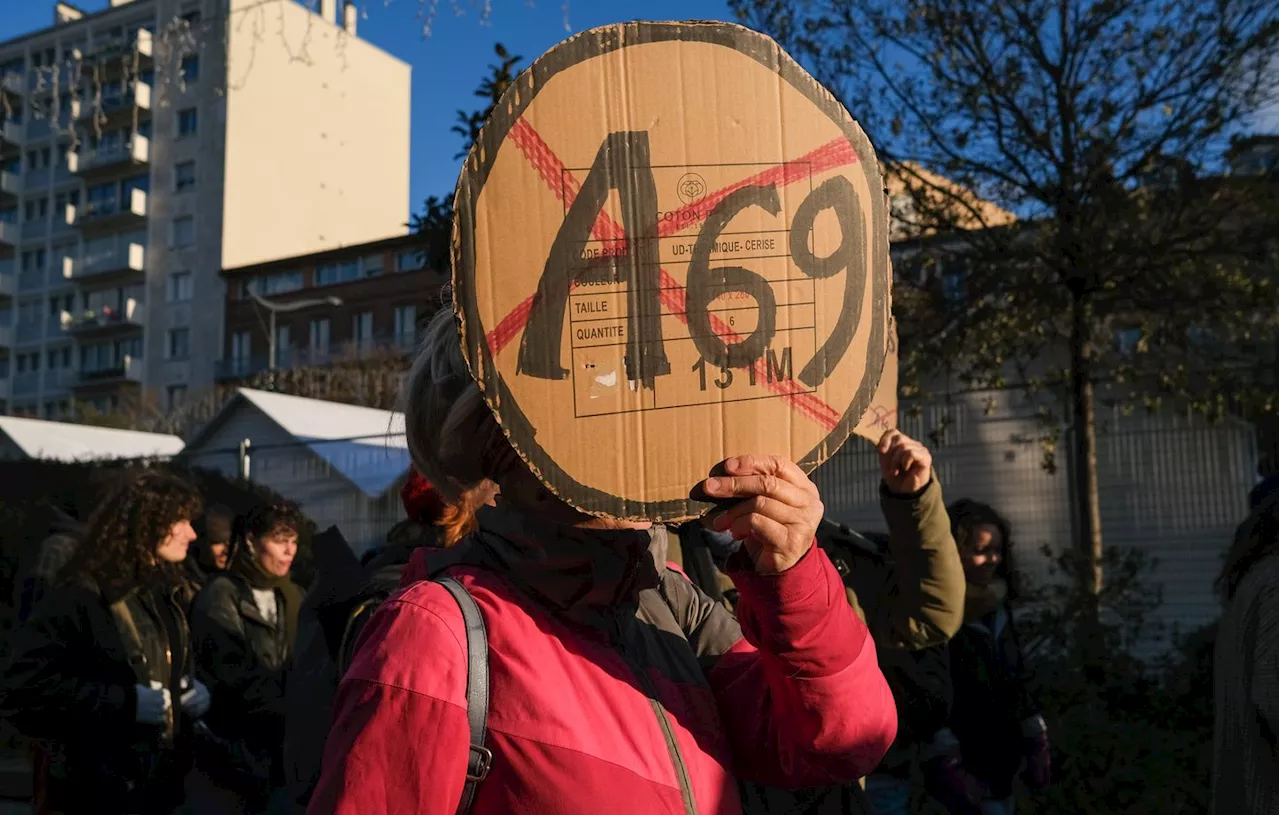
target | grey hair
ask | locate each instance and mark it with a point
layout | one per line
(453, 438)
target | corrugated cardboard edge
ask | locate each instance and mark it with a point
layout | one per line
(471, 181)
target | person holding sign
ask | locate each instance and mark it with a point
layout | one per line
(613, 683)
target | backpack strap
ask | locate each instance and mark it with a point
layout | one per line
(479, 757)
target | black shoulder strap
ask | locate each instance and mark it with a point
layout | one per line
(479, 758)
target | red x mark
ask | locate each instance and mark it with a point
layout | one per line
(561, 182)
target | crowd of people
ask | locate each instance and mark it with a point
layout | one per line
(504, 652)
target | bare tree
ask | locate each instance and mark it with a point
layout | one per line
(1135, 266)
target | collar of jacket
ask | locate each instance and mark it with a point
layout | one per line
(584, 574)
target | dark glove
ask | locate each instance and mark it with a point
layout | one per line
(1038, 774)
(946, 779)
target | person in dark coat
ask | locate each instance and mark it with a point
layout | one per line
(1244, 669)
(102, 668)
(55, 552)
(341, 602)
(211, 552)
(995, 729)
(244, 625)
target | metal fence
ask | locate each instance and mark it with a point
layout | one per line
(1171, 486)
(353, 484)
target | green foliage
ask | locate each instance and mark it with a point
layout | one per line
(1132, 737)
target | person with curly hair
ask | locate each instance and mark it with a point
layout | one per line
(1244, 667)
(244, 624)
(102, 669)
(995, 728)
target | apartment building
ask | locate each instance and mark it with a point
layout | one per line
(357, 302)
(147, 146)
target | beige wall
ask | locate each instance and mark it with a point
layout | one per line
(317, 136)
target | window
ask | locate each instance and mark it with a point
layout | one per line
(192, 17)
(277, 283)
(371, 265)
(187, 122)
(178, 344)
(406, 328)
(409, 260)
(1128, 340)
(32, 259)
(177, 395)
(179, 287)
(284, 340)
(102, 198)
(184, 176)
(329, 273)
(39, 159)
(37, 208)
(60, 358)
(184, 231)
(62, 199)
(190, 68)
(241, 345)
(320, 335)
(362, 326)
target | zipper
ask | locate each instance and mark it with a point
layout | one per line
(673, 747)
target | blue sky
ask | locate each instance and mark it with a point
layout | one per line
(449, 63)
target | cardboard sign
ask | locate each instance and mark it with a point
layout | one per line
(670, 248)
(882, 415)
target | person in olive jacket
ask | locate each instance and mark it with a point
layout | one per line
(244, 624)
(102, 667)
(909, 588)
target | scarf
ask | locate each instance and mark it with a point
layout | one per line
(583, 574)
(983, 599)
(247, 568)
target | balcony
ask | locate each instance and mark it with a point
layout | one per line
(130, 258)
(10, 134)
(26, 383)
(113, 213)
(128, 369)
(113, 54)
(117, 108)
(105, 319)
(134, 153)
(10, 186)
(57, 379)
(31, 332)
(64, 220)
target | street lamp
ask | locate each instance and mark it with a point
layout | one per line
(296, 305)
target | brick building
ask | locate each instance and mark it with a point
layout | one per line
(385, 295)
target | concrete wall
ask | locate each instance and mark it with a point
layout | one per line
(202, 315)
(317, 136)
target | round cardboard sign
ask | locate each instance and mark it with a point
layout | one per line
(670, 248)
